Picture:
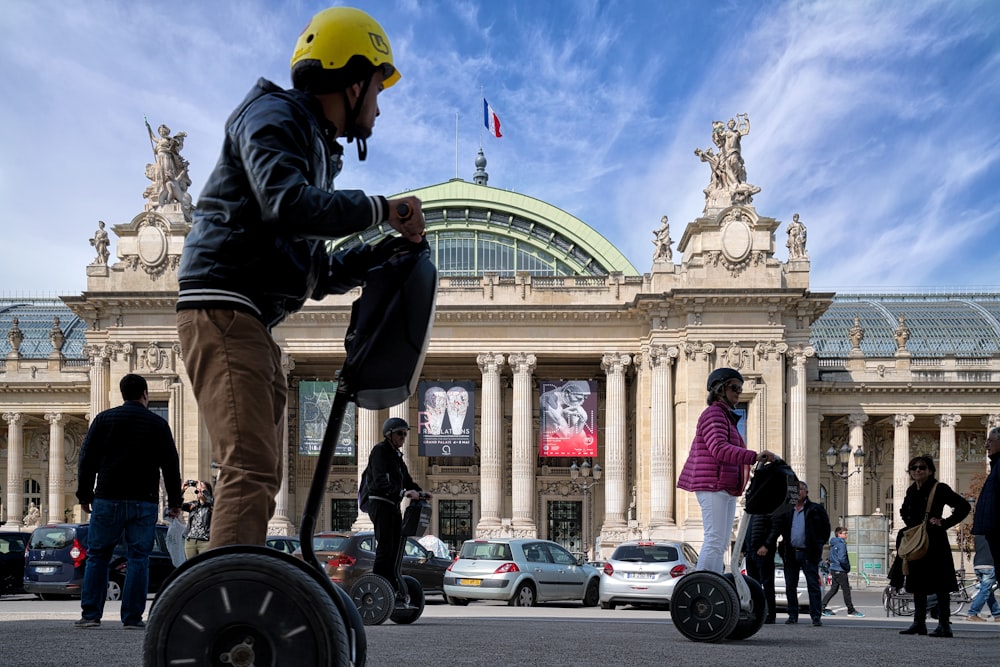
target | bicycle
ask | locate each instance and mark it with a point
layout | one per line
(897, 602)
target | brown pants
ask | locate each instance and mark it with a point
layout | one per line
(236, 374)
(194, 547)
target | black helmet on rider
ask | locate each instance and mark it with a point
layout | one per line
(717, 380)
(394, 424)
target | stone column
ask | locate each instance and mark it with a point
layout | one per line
(100, 373)
(280, 524)
(524, 449)
(900, 459)
(990, 422)
(369, 435)
(797, 407)
(615, 454)
(15, 469)
(661, 460)
(491, 451)
(946, 466)
(856, 483)
(402, 411)
(57, 468)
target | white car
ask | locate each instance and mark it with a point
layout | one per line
(521, 572)
(645, 572)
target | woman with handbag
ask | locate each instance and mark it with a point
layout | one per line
(934, 572)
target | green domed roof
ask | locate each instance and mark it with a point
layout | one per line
(473, 229)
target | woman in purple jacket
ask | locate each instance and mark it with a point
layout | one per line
(717, 468)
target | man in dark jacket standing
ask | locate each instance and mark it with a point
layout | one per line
(986, 521)
(804, 532)
(762, 537)
(258, 250)
(390, 482)
(126, 449)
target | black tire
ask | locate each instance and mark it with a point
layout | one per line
(752, 621)
(608, 605)
(374, 597)
(416, 593)
(704, 606)
(524, 596)
(592, 596)
(248, 607)
(457, 602)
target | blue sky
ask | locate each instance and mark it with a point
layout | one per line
(877, 122)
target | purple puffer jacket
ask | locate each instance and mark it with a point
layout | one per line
(719, 457)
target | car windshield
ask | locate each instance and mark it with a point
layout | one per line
(52, 538)
(486, 551)
(334, 543)
(11, 544)
(643, 553)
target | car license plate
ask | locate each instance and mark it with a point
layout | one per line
(45, 569)
(644, 576)
(470, 582)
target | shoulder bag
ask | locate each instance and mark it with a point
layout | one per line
(915, 541)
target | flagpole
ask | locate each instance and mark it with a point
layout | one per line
(456, 144)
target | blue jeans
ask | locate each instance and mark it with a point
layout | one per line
(794, 560)
(986, 580)
(109, 522)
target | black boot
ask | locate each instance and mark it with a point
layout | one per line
(917, 628)
(942, 630)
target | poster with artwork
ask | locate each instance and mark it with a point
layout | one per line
(568, 419)
(315, 402)
(447, 415)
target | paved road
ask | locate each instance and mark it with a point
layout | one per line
(40, 634)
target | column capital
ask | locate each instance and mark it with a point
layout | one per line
(663, 355)
(522, 362)
(857, 420)
(13, 417)
(614, 363)
(947, 420)
(902, 419)
(991, 421)
(55, 418)
(800, 353)
(489, 362)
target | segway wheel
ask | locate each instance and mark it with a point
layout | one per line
(704, 606)
(407, 615)
(374, 597)
(750, 622)
(245, 609)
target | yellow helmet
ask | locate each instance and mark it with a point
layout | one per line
(339, 47)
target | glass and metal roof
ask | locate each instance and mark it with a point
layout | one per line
(960, 325)
(474, 229)
(35, 318)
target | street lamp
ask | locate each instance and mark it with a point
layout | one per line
(585, 478)
(843, 456)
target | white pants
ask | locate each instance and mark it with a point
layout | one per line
(718, 509)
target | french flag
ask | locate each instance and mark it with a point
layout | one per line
(491, 120)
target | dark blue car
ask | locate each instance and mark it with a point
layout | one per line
(57, 554)
(12, 546)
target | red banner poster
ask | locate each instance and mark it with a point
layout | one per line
(568, 418)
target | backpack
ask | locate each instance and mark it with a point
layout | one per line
(363, 491)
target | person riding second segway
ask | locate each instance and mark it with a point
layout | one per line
(389, 483)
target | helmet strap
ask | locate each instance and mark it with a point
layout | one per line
(351, 114)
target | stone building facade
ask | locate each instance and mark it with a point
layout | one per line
(528, 293)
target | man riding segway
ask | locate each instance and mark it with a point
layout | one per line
(390, 482)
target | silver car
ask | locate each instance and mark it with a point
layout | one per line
(645, 572)
(521, 572)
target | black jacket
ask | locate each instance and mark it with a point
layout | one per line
(125, 449)
(934, 572)
(258, 242)
(389, 477)
(817, 526)
(987, 517)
